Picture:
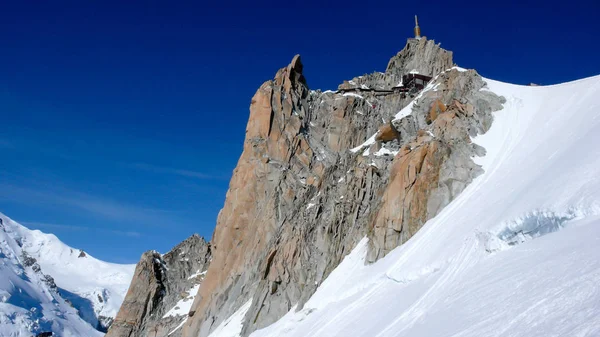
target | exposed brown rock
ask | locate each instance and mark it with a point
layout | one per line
(387, 133)
(145, 291)
(429, 172)
(159, 282)
(299, 199)
(436, 109)
(247, 222)
(414, 176)
(259, 124)
(285, 223)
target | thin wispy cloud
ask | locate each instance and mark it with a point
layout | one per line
(106, 208)
(127, 233)
(35, 224)
(54, 226)
(174, 171)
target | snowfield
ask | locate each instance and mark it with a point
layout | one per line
(516, 254)
(97, 288)
(86, 289)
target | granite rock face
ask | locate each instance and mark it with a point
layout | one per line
(298, 200)
(422, 56)
(318, 172)
(160, 283)
(307, 187)
(432, 168)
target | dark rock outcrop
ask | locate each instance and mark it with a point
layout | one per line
(159, 283)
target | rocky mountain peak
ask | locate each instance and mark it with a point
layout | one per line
(159, 299)
(421, 56)
(294, 70)
(46, 288)
(319, 171)
(300, 197)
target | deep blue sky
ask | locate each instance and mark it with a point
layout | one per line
(120, 124)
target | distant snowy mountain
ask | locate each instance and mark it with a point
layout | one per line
(516, 254)
(47, 286)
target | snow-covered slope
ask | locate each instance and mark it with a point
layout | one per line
(94, 288)
(516, 254)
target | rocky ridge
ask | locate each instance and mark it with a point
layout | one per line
(305, 190)
(321, 170)
(434, 162)
(420, 56)
(158, 299)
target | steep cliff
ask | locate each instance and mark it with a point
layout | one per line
(162, 290)
(422, 56)
(308, 186)
(431, 169)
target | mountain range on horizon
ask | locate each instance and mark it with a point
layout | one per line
(47, 286)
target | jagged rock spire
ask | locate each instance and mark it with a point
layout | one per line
(421, 55)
